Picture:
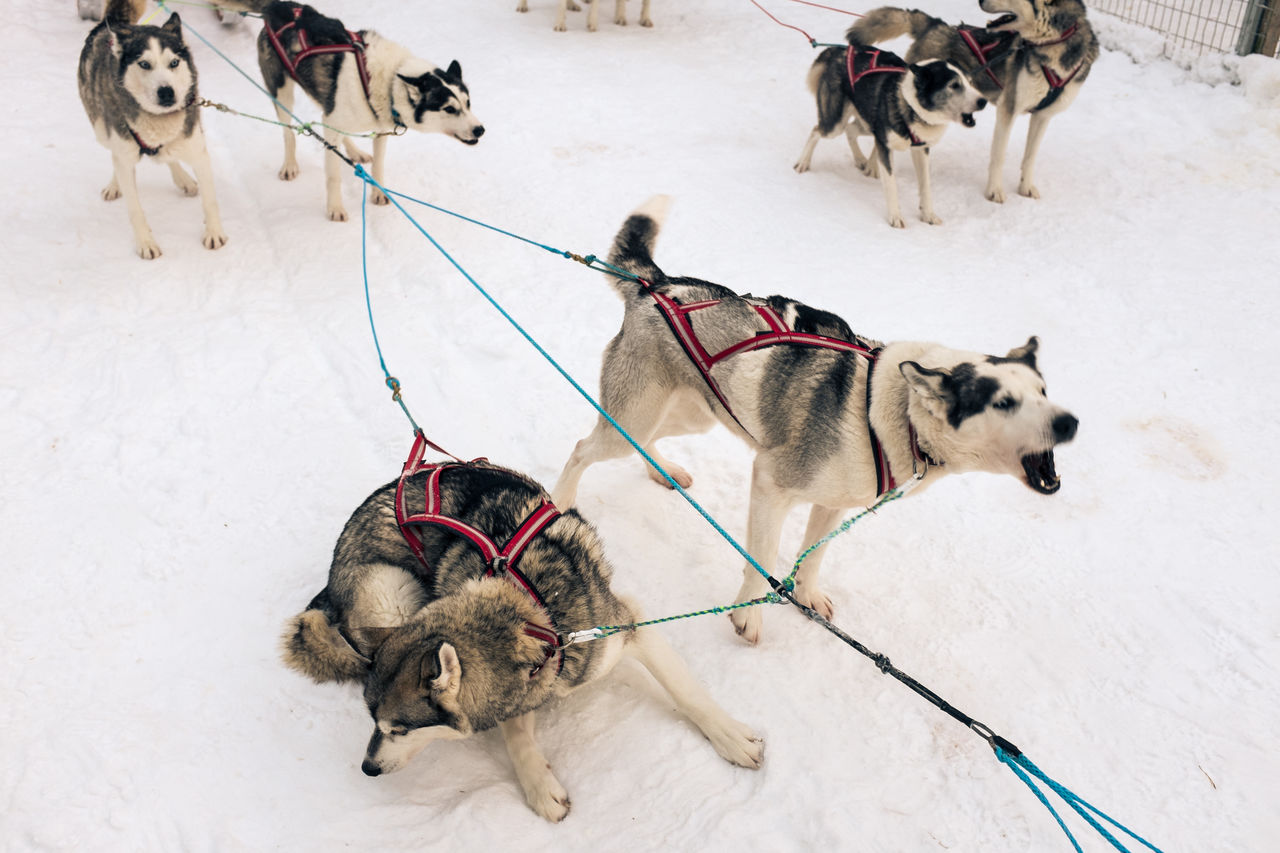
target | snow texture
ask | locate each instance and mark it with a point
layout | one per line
(183, 439)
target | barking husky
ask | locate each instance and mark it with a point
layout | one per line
(459, 648)
(138, 87)
(821, 433)
(868, 92)
(1033, 59)
(361, 81)
(593, 14)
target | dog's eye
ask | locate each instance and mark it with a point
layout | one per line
(1005, 404)
(175, 63)
(451, 110)
(144, 65)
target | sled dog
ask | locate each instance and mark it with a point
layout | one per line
(138, 87)
(471, 643)
(869, 92)
(361, 81)
(593, 13)
(793, 382)
(1033, 58)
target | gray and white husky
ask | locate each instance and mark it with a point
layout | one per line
(868, 92)
(593, 13)
(138, 87)
(403, 91)
(445, 653)
(1032, 59)
(807, 411)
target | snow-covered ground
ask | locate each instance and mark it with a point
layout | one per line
(183, 439)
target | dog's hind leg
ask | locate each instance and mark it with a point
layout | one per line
(822, 520)
(355, 152)
(685, 412)
(645, 19)
(1035, 135)
(734, 741)
(920, 160)
(284, 105)
(559, 26)
(806, 153)
(542, 789)
(379, 164)
(185, 183)
(333, 179)
(768, 510)
(868, 165)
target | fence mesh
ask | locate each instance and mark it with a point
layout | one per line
(1205, 26)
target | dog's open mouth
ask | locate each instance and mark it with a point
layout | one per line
(1041, 475)
(1004, 20)
(967, 119)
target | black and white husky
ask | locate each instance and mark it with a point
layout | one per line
(1033, 58)
(138, 87)
(864, 91)
(361, 81)
(797, 392)
(447, 651)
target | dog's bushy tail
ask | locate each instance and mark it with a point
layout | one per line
(313, 646)
(256, 6)
(633, 247)
(124, 12)
(888, 22)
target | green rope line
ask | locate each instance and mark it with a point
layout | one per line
(302, 129)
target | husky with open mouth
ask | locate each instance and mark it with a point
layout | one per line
(835, 419)
(1032, 58)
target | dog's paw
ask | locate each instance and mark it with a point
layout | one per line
(681, 476)
(1028, 190)
(148, 249)
(995, 194)
(620, 20)
(214, 238)
(548, 798)
(186, 184)
(747, 623)
(573, 7)
(736, 743)
(111, 191)
(930, 217)
(896, 221)
(377, 197)
(815, 599)
(359, 154)
(870, 169)
(288, 172)
(523, 6)
(801, 167)
(646, 22)
(337, 214)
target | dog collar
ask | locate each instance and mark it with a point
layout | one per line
(920, 461)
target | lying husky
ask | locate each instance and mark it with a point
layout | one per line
(361, 81)
(868, 92)
(792, 381)
(458, 648)
(1033, 59)
(138, 87)
(593, 15)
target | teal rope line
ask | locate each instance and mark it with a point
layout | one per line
(891, 495)
(1004, 757)
(391, 381)
(601, 631)
(368, 179)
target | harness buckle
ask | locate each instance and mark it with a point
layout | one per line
(498, 565)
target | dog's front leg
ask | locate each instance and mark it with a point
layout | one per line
(542, 789)
(645, 19)
(619, 12)
(283, 100)
(822, 520)
(333, 179)
(126, 181)
(559, 24)
(214, 237)
(890, 184)
(734, 741)
(379, 164)
(1035, 135)
(768, 510)
(999, 145)
(920, 160)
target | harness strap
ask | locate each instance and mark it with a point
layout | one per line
(1056, 85)
(501, 560)
(874, 67)
(305, 49)
(983, 52)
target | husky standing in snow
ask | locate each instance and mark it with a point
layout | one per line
(138, 87)
(361, 81)
(1033, 58)
(868, 92)
(593, 14)
(832, 416)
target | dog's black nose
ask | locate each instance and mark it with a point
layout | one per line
(477, 131)
(1064, 427)
(370, 769)
(165, 96)
(982, 102)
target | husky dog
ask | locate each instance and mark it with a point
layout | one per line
(1033, 59)
(361, 81)
(868, 92)
(593, 14)
(138, 87)
(820, 435)
(447, 652)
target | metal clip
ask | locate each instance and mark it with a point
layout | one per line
(582, 636)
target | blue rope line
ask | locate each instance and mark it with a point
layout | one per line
(368, 179)
(1004, 757)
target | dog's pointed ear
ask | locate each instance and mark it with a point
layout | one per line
(928, 383)
(444, 674)
(415, 82)
(173, 25)
(454, 70)
(372, 638)
(113, 42)
(1026, 353)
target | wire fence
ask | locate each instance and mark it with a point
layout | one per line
(1205, 26)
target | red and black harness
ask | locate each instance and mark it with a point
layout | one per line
(861, 61)
(501, 560)
(992, 43)
(354, 45)
(777, 333)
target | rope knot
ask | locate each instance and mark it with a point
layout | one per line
(394, 385)
(882, 662)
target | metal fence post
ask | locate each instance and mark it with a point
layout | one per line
(1258, 29)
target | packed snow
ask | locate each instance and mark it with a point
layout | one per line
(183, 439)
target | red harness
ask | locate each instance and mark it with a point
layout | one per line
(502, 560)
(872, 68)
(983, 51)
(306, 49)
(677, 317)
